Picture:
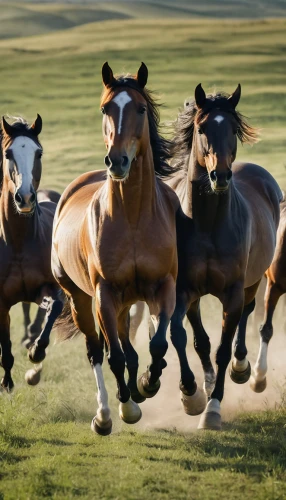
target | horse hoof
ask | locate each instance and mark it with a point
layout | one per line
(33, 376)
(7, 384)
(240, 377)
(36, 354)
(101, 428)
(145, 389)
(137, 397)
(210, 421)
(195, 404)
(130, 412)
(258, 385)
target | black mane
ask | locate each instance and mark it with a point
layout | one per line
(184, 126)
(161, 147)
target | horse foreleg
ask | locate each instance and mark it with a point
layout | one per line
(240, 369)
(131, 355)
(202, 346)
(272, 294)
(7, 359)
(107, 313)
(37, 352)
(161, 309)
(232, 301)
(192, 397)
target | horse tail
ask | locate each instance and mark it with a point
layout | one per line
(64, 324)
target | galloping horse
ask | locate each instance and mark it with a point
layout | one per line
(33, 330)
(275, 287)
(25, 240)
(115, 239)
(226, 238)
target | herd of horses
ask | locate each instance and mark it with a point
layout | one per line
(167, 222)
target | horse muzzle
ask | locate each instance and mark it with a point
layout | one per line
(118, 168)
(220, 181)
(25, 203)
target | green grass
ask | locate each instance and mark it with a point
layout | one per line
(47, 448)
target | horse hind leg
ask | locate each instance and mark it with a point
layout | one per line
(37, 352)
(34, 329)
(27, 320)
(272, 295)
(202, 346)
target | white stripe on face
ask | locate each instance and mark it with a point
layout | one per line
(218, 119)
(121, 100)
(23, 149)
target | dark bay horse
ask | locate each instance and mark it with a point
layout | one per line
(226, 238)
(25, 240)
(115, 239)
(275, 287)
(33, 329)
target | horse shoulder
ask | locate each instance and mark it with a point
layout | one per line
(88, 178)
(169, 194)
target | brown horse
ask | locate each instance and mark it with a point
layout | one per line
(115, 240)
(33, 329)
(25, 240)
(275, 287)
(226, 238)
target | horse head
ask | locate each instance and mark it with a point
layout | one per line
(22, 165)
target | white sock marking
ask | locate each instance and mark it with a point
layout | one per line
(103, 412)
(218, 118)
(240, 366)
(121, 100)
(260, 368)
(213, 406)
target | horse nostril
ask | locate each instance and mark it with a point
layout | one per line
(18, 197)
(229, 175)
(213, 175)
(107, 161)
(33, 198)
(124, 161)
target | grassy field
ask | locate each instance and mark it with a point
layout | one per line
(46, 447)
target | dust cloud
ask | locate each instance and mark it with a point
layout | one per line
(164, 411)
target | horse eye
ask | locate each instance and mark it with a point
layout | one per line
(142, 110)
(40, 154)
(200, 131)
(103, 111)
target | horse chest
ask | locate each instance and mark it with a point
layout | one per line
(212, 268)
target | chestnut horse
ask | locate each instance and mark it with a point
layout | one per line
(115, 239)
(25, 240)
(33, 330)
(275, 287)
(226, 238)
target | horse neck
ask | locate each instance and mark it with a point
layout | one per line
(15, 229)
(205, 208)
(137, 195)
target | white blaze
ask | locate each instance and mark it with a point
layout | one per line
(23, 149)
(218, 118)
(121, 100)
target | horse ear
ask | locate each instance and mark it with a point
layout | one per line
(234, 98)
(37, 125)
(6, 127)
(107, 75)
(142, 75)
(200, 96)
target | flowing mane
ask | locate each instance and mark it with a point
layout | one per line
(184, 126)
(161, 147)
